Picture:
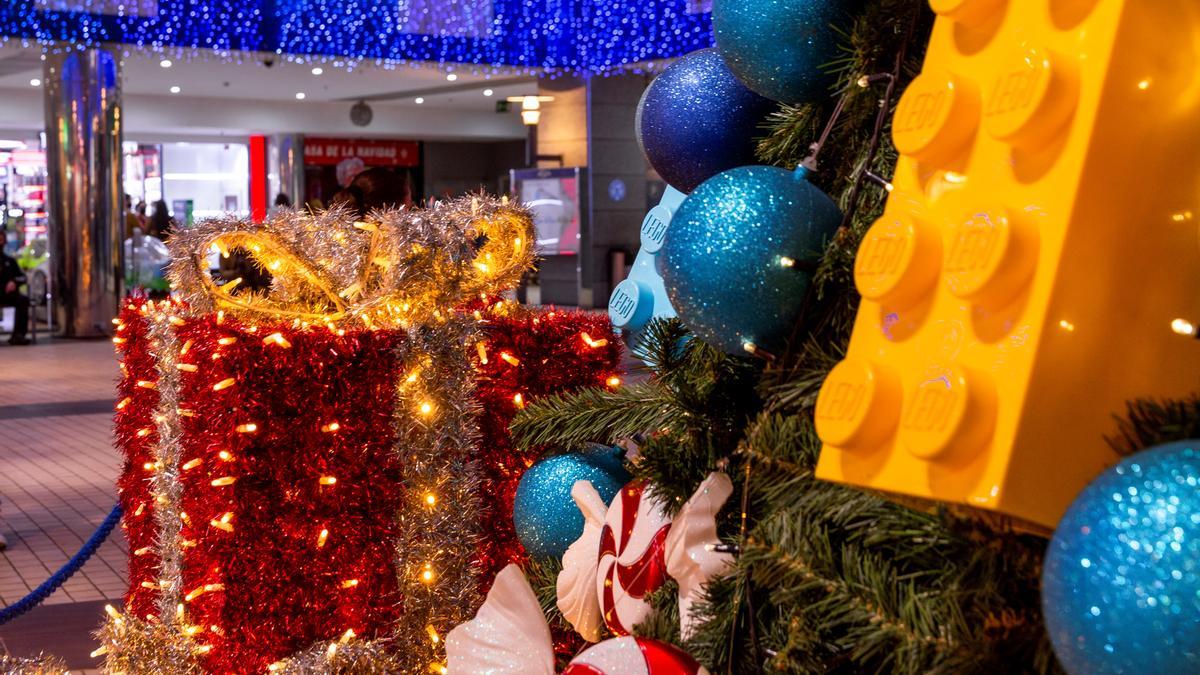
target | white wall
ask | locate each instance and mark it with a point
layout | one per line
(206, 173)
(161, 118)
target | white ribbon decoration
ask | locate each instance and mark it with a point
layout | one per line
(508, 636)
(691, 560)
(576, 585)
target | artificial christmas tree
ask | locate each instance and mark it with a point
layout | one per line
(843, 579)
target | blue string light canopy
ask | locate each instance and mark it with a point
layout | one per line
(573, 36)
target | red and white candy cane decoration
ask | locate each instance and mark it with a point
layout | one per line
(509, 636)
(629, 548)
(634, 656)
(632, 556)
(638, 547)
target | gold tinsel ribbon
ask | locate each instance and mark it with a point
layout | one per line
(394, 269)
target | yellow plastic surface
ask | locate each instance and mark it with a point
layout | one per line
(1041, 238)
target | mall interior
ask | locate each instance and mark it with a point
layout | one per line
(629, 337)
(112, 111)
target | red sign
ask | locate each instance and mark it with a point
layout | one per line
(330, 151)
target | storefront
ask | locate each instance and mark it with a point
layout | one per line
(22, 193)
(331, 163)
(192, 180)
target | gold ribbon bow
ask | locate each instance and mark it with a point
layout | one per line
(397, 268)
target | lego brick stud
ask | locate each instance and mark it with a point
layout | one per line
(950, 417)
(898, 260)
(989, 256)
(654, 227)
(631, 305)
(936, 117)
(858, 405)
(966, 12)
(1031, 98)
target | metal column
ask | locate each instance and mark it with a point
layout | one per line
(83, 157)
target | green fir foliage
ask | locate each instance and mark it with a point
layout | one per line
(1149, 422)
(830, 578)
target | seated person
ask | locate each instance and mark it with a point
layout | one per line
(11, 278)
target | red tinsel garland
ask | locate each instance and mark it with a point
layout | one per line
(135, 434)
(319, 459)
(288, 476)
(552, 356)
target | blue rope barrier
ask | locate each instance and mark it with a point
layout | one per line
(38, 595)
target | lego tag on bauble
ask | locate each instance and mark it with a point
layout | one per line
(642, 296)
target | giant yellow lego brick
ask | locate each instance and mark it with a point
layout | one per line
(1039, 242)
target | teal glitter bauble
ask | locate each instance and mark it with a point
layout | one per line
(781, 48)
(738, 256)
(546, 518)
(1121, 581)
(696, 120)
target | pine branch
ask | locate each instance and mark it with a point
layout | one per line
(663, 622)
(596, 416)
(675, 464)
(1150, 422)
(661, 346)
(790, 131)
(542, 574)
(800, 389)
(723, 640)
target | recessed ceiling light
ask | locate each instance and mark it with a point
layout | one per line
(451, 77)
(418, 100)
(35, 82)
(299, 96)
(318, 70)
(175, 89)
(488, 92)
(166, 63)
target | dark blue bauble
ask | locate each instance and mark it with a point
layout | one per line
(696, 120)
(781, 48)
(738, 255)
(546, 518)
(1121, 581)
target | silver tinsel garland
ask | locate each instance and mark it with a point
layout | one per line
(436, 432)
(165, 485)
(39, 665)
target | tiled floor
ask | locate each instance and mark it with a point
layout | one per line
(56, 478)
(57, 470)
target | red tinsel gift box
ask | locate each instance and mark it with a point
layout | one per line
(267, 454)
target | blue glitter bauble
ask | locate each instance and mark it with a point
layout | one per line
(546, 518)
(696, 120)
(781, 48)
(1121, 582)
(737, 255)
